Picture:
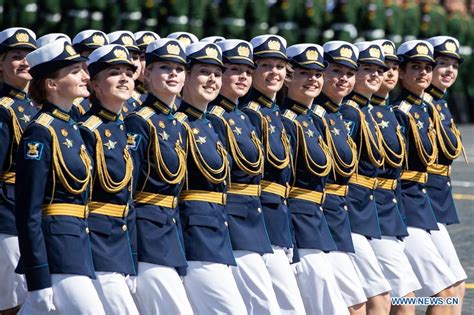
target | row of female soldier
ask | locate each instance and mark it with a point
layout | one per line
(212, 198)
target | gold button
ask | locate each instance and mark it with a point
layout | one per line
(346, 208)
(424, 190)
(371, 197)
(124, 227)
(87, 230)
(174, 221)
(225, 223)
(259, 210)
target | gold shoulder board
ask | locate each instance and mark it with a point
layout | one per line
(44, 120)
(92, 123)
(217, 111)
(404, 107)
(77, 101)
(352, 103)
(145, 112)
(289, 114)
(319, 111)
(427, 98)
(180, 116)
(6, 101)
(253, 106)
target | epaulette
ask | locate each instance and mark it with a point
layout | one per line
(6, 101)
(319, 111)
(427, 97)
(290, 115)
(253, 106)
(352, 103)
(136, 95)
(145, 112)
(405, 107)
(92, 123)
(217, 111)
(44, 120)
(77, 101)
(180, 116)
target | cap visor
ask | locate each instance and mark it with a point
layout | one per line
(270, 55)
(151, 58)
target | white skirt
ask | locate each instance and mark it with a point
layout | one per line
(12, 285)
(160, 291)
(390, 253)
(430, 268)
(114, 293)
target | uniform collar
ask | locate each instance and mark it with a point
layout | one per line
(10, 91)
(158, 105)
(410, 97)
(57, 112)
(358, 98)
(106, 114)
(435, 92)
(324, 101)
(378, 100)
(263, 100)
(295, 106)
(191, 111)
(225, 103)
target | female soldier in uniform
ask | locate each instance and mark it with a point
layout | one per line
(53, 181)
(158, 144)
(311, 165)
(104, 135)
(16, 111)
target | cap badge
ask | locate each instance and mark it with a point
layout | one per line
(274, 45)
(22, 37)
(211, 52)
(374, 52)
(127, 40)
(70, 50)
(148, 39)
(345, 52)
(422, 49)
(120, 53)
(450, 46)
(98, 39)
(243, 51)
(388, 49)
(312, 55)
(186, 41)
(172, 49)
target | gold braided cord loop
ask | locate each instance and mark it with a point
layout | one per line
(398, 157)
(215, 176)
(444, 142)
(339, 164)
(313, 167)
(105, 180)
(369, 140)
(251, 168)
(60, 168)
(270, 156)
(161, 168)
(425, 157)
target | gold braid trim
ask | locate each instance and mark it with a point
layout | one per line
(17, 132)
(251, 168)
(399, 157)
(313, 167)
(161, 168)
(339, 163)
(443, 137)
(212, 175)
(370, 141)
(425, 157)
(60, 167)
(105, 180)
(270, 156)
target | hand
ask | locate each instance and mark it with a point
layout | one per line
(131, 283)
(42, 300)
(289, 254)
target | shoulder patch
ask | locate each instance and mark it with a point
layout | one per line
(289, 114)
(6, 101)
(253, 106)
(405, 107)
(44, 120)
(92, 123)
(33, 150)
(216, 111)
(180, 116)
(145, 112)
(319, 111)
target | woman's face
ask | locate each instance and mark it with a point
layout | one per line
(141, 77)
(269, 76)
(416, 76)
(445, 72)
(15, 68)
(368, 79)
(236, 81)
(114, 84)
(305, 84)
(390, 77)
(70, 83)
(203, 83)
(165, 78)
(339, 81)
(136, 61)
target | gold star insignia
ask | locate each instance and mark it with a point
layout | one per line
(164, 135)
(110, 144)
(272, 128)
(443, 117)
(336, 131)
(26, 118)
(201, 140)
(310, 133)
(237, 131)
(68, 143)
(384, 124)
(419, 124)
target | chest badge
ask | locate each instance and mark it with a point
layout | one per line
(231, 122)
(443, 117)
(165, 136)
(110, 144)
(379, 115)
(332, 122)
(68, 143)
(161, 124)
(237, 131)
(201, 140)
(305, 124)
(417, 115)
(336, 131)
(384, 124)
(420, 124)
(272, 128)
(195, 131)
(64, 132)
(26, 118)
(310, 133)
(107, 133)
